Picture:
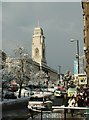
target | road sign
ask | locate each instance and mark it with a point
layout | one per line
(82, 79)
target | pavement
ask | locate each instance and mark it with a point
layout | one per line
(24, 114)
(18, 114)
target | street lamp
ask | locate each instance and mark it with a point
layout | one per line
(59, 71)
(77, 55)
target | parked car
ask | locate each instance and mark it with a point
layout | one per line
(39, 100)
(59, 93)
(24, 92)
(52, 89)
(9, 95)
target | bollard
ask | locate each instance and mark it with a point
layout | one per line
(28, 94)
(24, 94)
(64, 114)
(41, 114)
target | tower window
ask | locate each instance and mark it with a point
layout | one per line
(36, 52)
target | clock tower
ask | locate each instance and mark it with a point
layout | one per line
(38, 46)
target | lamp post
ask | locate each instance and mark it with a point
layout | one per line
(77, 55)
(2, 91)
(59, 71)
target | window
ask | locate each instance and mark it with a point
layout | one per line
(36, 52)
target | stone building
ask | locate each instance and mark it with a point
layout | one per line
(85, 7)
(38, 46)
(39, 53)
(38, 59)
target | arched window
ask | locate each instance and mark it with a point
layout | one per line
(36, 52)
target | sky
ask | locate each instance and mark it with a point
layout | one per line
(60, 21)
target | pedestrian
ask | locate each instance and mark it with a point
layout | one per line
(71, 103)
(87, 101)
(80, 101)
(80, 104)
(76, 102)
(87, 105)
(76, 98)
(65, 100)
(85, 98)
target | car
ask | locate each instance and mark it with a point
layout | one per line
(40, 100)
(9, 95)
(52, 89)
(24, 92)
(63, 92)
(59, 93)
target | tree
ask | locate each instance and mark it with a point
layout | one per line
(6, 77)
(41, 77)
(22, 68)
(2, 59)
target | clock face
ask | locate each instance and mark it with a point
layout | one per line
(37, 52)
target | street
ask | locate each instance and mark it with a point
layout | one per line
(23, 113)
(57, 101)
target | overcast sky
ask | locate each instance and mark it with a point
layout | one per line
(60, 22)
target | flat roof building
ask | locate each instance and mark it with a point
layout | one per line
(85, 7)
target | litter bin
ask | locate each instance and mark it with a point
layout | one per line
(49, 105)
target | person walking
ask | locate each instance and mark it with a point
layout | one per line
(87, 101)
(80, 104)
(87, 110)
(71, 103)
(80, 101)
(65, 103)
(65, 100)
(85, 98)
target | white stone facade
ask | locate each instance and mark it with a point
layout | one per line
(38, 46)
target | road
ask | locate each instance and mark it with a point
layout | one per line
(57, 101)
(23, 113)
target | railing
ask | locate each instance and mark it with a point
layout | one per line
(71, 108)
(41, 110)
